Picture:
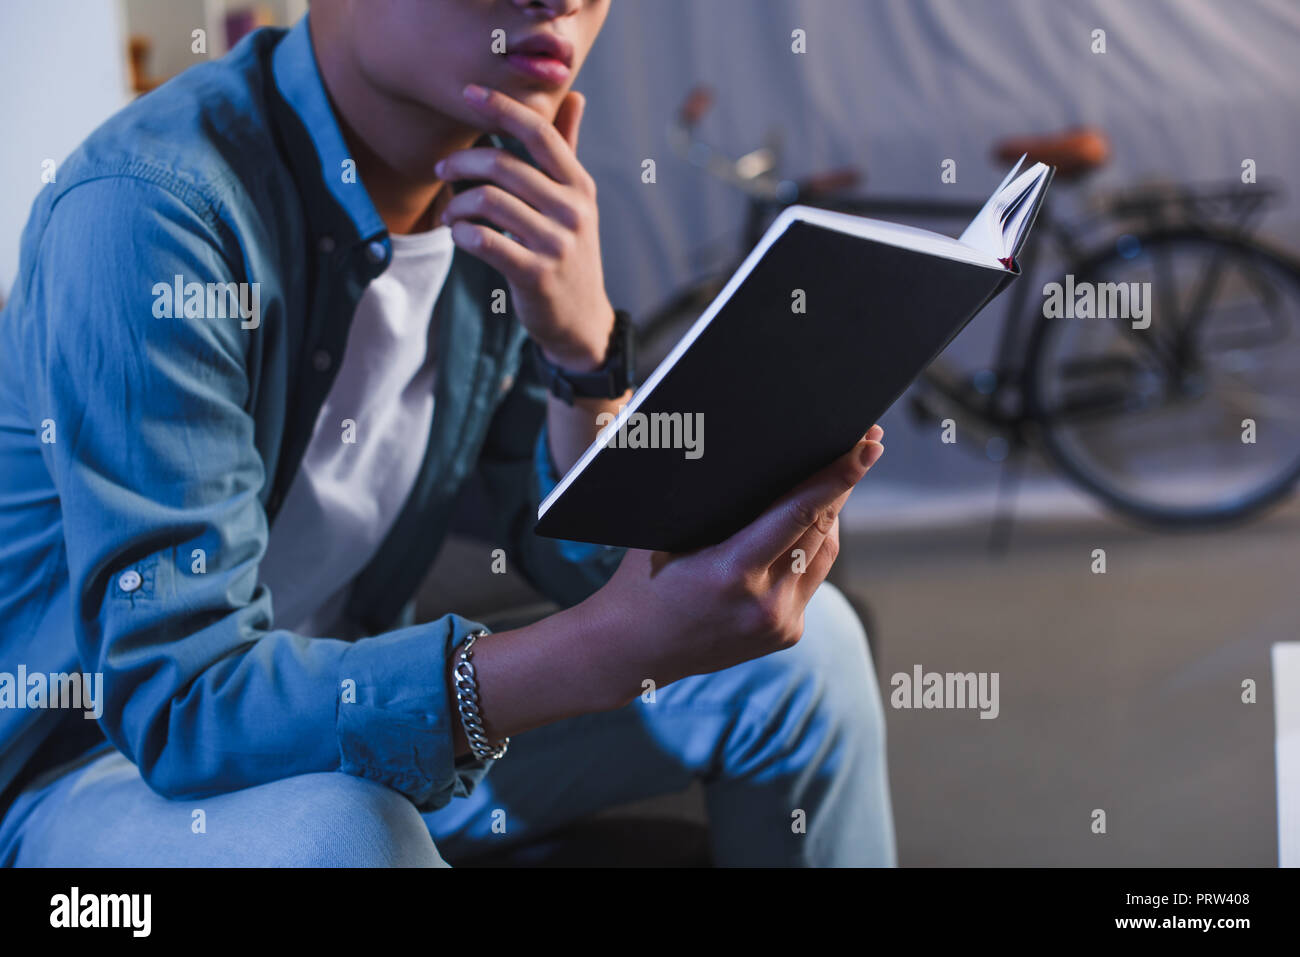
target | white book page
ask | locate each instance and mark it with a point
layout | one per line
(976, 234)
(989, 239)
(899, 235)
(997, 228)
(1025, 189)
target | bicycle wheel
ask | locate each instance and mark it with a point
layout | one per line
(1194, 419)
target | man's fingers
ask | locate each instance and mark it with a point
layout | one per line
(507, 171)
(818, 565)
(799, 559)
(810, 506)
(542, 140)
(569, 117)
(500, 252)
(529, 227)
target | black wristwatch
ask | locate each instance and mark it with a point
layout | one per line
(610, 381)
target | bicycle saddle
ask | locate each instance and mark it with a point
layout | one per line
(1074, 152)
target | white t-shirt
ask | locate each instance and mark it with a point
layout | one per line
(355, 475)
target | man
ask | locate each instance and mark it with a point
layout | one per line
(253, 355)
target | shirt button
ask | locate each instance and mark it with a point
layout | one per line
(376, 252)
(327, 244)
(507, 382)
(129, 580)
(321, 360)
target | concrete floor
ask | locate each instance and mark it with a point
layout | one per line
(1119, 691)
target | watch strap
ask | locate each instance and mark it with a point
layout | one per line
(610, 381)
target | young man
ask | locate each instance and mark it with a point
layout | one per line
(251, 359)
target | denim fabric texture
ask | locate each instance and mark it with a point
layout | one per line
(143, 457)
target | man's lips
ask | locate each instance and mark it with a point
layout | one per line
(543, 45)
(542, 56)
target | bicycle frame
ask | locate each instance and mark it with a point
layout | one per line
(1000, 406)
(1155, 214)
(1005, 399)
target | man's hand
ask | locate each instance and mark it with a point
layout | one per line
(664, 616)
(552, 256)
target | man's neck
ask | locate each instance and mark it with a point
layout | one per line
(395, 143)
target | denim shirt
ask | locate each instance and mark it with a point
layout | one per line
(143, 458)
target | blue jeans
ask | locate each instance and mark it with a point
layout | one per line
(790, 749)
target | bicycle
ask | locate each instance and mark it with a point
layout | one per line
(1133, 421)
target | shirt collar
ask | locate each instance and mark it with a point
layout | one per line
(299, 81)
(317, 148)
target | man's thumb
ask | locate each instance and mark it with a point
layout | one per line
(569, 117)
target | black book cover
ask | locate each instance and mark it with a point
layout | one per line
(781, 393)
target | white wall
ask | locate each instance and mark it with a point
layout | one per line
(64, 70)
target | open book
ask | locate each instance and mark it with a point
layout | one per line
(992, 238)
(823, 326)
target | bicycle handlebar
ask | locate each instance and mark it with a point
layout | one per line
(755, 172)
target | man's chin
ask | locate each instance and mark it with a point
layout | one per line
(545, 103)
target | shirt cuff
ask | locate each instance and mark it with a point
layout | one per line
(396, 713)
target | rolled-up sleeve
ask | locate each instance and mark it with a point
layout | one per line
(396, 730)
(159, 477)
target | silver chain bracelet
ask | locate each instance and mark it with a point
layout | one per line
(467, 703)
